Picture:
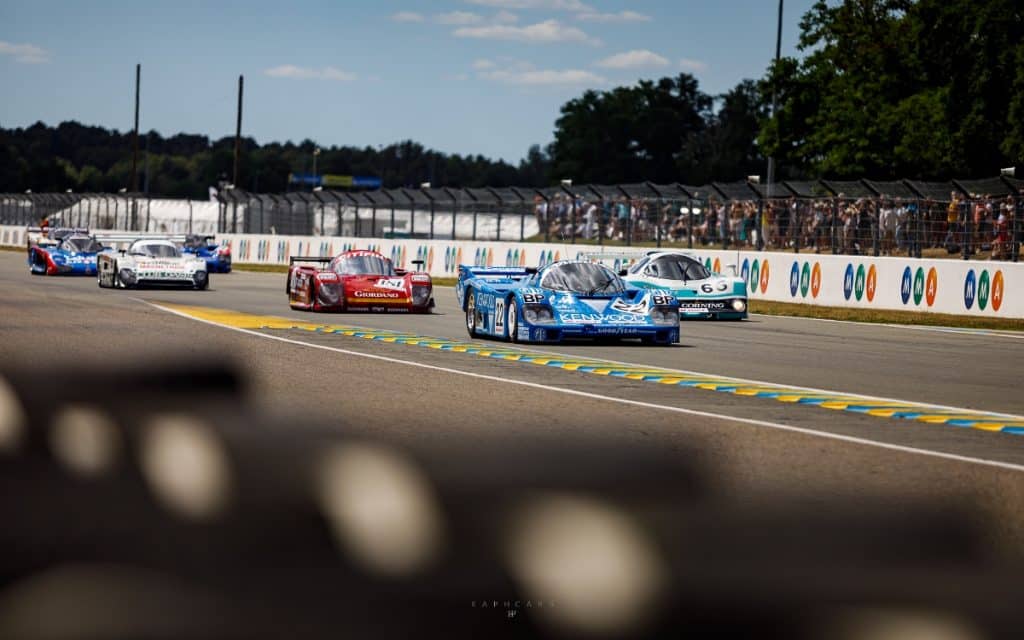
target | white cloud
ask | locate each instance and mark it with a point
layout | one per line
(407, 16)
(636, 59)
(547, 31)
(458, 18)
(622, 16)
(25, 53)
(505, 17)
(545, 77)
(483, 64)
(306, 73)
(557, 5)
(689, 64)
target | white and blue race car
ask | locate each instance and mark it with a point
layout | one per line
(566, 300)
(701, 292)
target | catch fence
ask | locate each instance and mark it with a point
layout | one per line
(865, 217)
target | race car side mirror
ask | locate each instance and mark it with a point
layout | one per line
(623, 272)
(731, 269)
(418, 264)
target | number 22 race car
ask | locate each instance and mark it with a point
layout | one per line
(564, 301)
(357, 281)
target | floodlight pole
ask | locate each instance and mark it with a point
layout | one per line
(135, 137)
(238, 129)
(778, 54)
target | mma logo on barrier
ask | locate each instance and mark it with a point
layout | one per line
(848, 281)
(755, 276)
(816, 280)
(717, 266)
(905, 285)
(745, 270)
(983, 288)
(765, 276)
(794, 279)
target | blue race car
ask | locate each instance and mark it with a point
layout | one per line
(564, 300)
(218, 258)
(64, 252)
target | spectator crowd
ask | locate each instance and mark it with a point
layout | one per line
(971, 224)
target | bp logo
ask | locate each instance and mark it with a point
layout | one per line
(848, 282)
(765, 275)
(918, 285)
(816, 280)
(794, 279)
(755, 276)
(805, 280)
(745, 269)
(970, 289)
(905, 285)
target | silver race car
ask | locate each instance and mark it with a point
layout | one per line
(152, 262)
(701, 292)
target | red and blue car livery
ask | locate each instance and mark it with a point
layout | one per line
(63, 252)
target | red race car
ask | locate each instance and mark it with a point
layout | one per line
(357, 281)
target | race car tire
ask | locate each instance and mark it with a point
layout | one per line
(204, 286)
(312, 294)
(471, 313)
(512, 320)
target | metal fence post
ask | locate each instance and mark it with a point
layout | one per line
(876, 231)
(966, 234)
(432, 207)
(1018, 209)
(725, 227)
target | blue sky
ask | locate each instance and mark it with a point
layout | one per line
(465, 76)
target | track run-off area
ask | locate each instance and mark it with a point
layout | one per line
(825, 410)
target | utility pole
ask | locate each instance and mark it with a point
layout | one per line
(778, 54)
(238, 130)
(135, 137)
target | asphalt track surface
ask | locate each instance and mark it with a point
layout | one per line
(753, 448)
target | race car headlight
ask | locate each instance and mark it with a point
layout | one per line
(420, 295)
(538, 314)
(327, 293)
(739, 305)
(664, 315)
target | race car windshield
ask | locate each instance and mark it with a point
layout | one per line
(156, 250)
(82, 245)
(588, 278)
(364, 265)
(678, 268)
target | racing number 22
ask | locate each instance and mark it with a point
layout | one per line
(499, 316)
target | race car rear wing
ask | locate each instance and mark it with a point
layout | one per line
(109, 238)
(497, 273)
(317, 259)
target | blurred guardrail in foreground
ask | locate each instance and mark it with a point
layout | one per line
(156, 502)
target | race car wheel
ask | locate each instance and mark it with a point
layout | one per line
(512, 320)
(471, 313)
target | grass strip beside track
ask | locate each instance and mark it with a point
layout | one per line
(883, 316)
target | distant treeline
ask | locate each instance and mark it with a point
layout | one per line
(927, 89)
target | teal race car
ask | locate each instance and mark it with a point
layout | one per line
(701, 292)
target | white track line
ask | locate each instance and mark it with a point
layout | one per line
(978, 333)
(594, 396)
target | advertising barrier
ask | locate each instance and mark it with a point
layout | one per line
(965, 287)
